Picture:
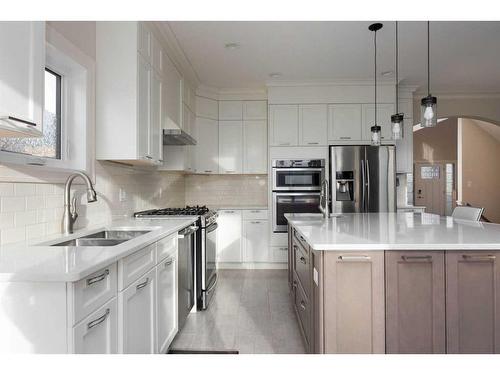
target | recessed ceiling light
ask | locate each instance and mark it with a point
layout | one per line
(275, 75)
(387, 73)
(231, 46)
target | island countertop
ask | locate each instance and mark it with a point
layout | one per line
(37, 260)
(394, 231)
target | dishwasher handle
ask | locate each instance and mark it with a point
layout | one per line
(187, 231)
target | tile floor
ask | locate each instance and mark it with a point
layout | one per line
(251, 312)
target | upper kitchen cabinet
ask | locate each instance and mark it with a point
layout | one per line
(255, 110)
(230, 110)
(207, 108)
(173, 99)
(283, 125)
(128, 95)
(207, 148)
(384, 113)
(230, 147)
(255, 146)
(313, 120)
(22, 67)
(344, 122)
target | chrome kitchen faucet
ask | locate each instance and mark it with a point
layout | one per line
(70, 214)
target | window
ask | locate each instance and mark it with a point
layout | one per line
(49, 145)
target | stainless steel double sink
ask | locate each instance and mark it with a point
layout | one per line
(103, 238)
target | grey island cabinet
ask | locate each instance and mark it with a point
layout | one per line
(383, 298)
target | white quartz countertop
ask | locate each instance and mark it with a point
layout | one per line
(394, 231)
(241, 208)
(31, 261)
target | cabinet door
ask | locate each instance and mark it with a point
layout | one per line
(473, 302)
(284, 125)
(22, 68)
(256, 241)
(207, 148)
(97, 334)
(415, 304)
(166, 273)
(173, 97)
(344, 122)
(384, 113)
(230, 110)
(144, 41)
(255, 146)
(155, 139)
(255, 110)
(313, 119)
(354, 314)
(143, 107)
(136, 316)
(157, 56)
(230, 147)
(229, 236)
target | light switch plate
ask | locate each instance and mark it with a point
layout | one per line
(315, 276)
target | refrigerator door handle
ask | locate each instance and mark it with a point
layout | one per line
(367, 186)
(363, 176)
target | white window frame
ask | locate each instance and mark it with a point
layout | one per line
(77, 119)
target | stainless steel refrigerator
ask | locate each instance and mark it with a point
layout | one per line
(363, 178)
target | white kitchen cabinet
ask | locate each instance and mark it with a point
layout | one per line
(137, 316)
(344, 122)
(229, 236)
(313, 123)
(230, 147)
(384, 113)
(230, 110)
(167, 324)
(255, 146)
(97, 333)
(256, 241)
(143, 107)
(173, 98)
(279, 254)
(22, 69)
(207, 108)
(155, 144)
(144, 41)
(157, 56)
(255, 110)
(207, 148)
(284, 125)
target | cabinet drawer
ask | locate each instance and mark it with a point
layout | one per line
(280, 254)
(302, 268)
(90, 293)
(135, 265)
(301, 303)
(255, 214)
(97, 334)
(301, 240)
(165, 247)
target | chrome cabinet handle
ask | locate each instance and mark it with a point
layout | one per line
(354, 257)
(416, 257)
(229, 212)
(303, 305)
(284, 144)
(13, 118)
(255, 211)
(98, 278)
(208, 171)
(313, 143)
(230, 171)
(255, 222)
(148, 157)
(98, 321)
(303, 260)
(345, 137)
(169, 263)
(479, 257)
(142, 285)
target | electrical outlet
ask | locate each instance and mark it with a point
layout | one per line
(122, 195)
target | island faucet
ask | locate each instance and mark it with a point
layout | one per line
(323, 199)
(70, 214)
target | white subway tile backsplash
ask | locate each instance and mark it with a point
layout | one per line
(34, 202)
(13, 235)
(6, 189)
(24, 189)
(24, 218)
(44, 189)
(6, 220)
(13, 204)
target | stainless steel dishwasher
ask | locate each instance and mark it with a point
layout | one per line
(186, 261)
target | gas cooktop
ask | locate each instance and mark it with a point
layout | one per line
(182, 211)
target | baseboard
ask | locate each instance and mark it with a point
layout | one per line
(252, 266)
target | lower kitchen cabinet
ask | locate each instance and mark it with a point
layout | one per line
(166, 274)
(229, 236)
(415, 302)
(473, 302)
(137, 314)
(97, 333)
(353, 305)
(256, 241)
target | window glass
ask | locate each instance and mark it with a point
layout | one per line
(48, 145)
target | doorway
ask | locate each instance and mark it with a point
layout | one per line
(434, 187)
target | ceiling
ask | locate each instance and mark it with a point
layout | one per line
(465, 56)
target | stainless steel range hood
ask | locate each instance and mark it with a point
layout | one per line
(177, 137)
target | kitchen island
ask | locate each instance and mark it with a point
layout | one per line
(395, 283)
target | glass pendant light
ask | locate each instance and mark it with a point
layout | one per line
(375, 129)
(397, 123)
(428, 105)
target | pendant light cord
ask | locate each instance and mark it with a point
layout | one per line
(375, 43)
(397, 80)
(428, 60)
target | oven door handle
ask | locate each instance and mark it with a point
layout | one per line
(212, 227)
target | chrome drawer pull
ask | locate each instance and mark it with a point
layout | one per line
(98, 278)
(479, 257)
(98, 321)
(142, 285)
(294, 284)
(416, 257)
(353, 257)
(169, 263)
(255, 211)
(303, 260)
(255, 222)
(13, 118)
(345, 137)
(303, 305)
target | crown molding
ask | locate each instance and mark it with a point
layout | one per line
(231, 94)
(336, 82)
(450, 95)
